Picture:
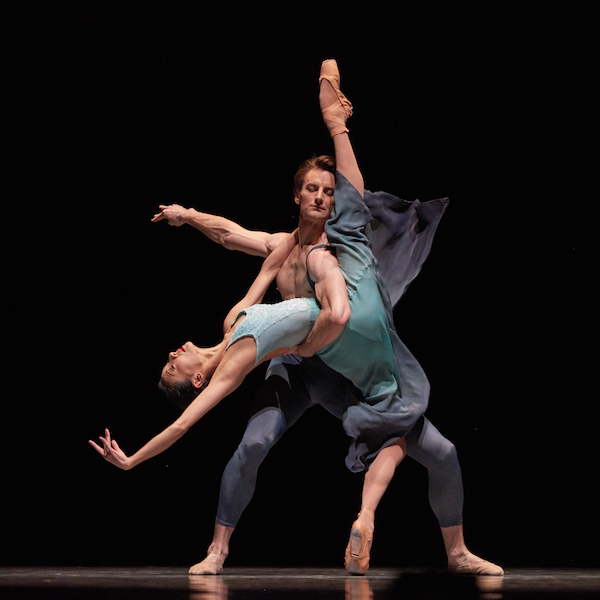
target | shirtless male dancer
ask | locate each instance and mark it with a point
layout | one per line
(293, 383)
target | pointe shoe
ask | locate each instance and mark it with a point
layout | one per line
(481, 567)
(336, 114)
(211, 565)
(358, 551)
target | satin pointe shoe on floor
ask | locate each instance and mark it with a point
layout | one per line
(480, 567)
(336, 114)
(358, 551)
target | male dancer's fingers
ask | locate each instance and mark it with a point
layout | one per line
(159, 216)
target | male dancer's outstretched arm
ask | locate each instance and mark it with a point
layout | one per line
(221, 230)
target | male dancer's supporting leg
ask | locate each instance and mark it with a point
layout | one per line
(276, 408)
(438, 455)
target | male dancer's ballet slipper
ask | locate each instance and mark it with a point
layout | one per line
(481, 567)
(358, 551)
(335, 115)
(211, 565)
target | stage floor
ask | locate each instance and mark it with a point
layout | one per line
(248, 583)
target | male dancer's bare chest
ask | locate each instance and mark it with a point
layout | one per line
(291, 280)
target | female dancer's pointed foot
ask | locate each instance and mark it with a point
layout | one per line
(358, 551)
(211, 565)
(335, 107)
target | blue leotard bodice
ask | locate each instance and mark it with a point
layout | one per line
(280, 325)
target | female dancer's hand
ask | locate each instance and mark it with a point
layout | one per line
(111, 451)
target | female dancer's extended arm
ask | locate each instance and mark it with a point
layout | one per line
(237, 363)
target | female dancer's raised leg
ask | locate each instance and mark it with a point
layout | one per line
(336, 109)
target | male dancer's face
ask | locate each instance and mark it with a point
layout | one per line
(316, 196)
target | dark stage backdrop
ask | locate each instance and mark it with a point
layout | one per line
(111, 114)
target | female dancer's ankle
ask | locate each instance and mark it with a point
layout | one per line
(367, 517)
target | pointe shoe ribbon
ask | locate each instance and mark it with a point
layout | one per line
(481, 567)
(358, 551)
(336, 114)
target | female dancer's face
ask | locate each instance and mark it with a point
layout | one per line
(183, 363)
(316, 196)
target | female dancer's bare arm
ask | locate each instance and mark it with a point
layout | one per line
(332, 294)
(236, 364)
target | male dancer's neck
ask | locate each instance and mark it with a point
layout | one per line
(310, 232)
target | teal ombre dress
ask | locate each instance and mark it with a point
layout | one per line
(368, 352)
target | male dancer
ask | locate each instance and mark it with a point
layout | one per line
(293, 383)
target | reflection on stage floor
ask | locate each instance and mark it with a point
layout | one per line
(248, 583)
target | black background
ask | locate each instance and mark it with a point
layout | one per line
(113, 111)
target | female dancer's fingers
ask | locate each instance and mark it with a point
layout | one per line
(106, 445)
(97, 448)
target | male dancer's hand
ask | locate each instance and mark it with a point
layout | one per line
(174, 214)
